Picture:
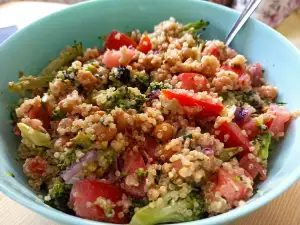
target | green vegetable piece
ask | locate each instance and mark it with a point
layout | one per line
(57, 114)
(263, 142)
(141, 173)
(170, 210)
(141, 81)
(65, 57)
(123, 97)
(195, 28)
(82, 140)
(159, 86)
(59, 193)
(35, 137)
(48, 74)
(9, 174)
(190, 136)
(228, 153)
(30, 83)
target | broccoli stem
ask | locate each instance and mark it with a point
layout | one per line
(152, 216)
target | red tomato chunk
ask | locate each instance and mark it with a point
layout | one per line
(85, 193)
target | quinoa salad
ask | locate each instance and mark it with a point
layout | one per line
(151, 128)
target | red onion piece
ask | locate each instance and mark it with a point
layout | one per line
(241, 115)
(208, 151)
(154, 94)
(69, 173)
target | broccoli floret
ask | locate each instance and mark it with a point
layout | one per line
(35, 137)
(171, 209)
(120, 76)
(262, 143)
(239, 98)
(57, 114)
(195, 28)
(159, 85)
(123, 97)
(59, 194)
(82, 140)
(105, 160)
(68, 159)
(141, 81)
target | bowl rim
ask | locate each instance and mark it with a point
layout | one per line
(229, 216)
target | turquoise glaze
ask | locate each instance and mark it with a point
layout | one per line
(31, 48)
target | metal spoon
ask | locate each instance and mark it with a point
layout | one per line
(247, 12)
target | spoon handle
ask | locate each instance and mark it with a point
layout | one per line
(247, 12)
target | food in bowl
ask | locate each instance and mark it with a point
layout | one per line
(153, 128)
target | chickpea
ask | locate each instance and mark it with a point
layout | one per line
(105, 133)
(120, 122)
(164, 131)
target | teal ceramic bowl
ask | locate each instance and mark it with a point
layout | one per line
(31, 48)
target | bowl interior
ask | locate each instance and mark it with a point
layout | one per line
(31, 49)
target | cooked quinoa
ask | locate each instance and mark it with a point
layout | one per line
(153, 128)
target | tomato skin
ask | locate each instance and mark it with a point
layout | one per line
(115, 43)
(209, 108)
(132, 162)
(112, 58)
(39, 112)
(193, 81)
(236, 69)
(251, 129)
(145, 44)
(252, 167)
(35, 166)
(236, 137)
(85, 191)
(229, 187)
(151, 147)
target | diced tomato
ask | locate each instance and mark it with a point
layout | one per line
(282, 116)
(215, 52)
(230, 186)
(251, 129)
(85, 192)
(269, 123)
(39, 112)
(236, 69)
(115, 40)
(193, 81)
(208, 106)
(145, 44)
(132, 162)
(35, 166)
(136, 191)
(232, 136)
(252, 167)
(150, 147)
(111, 58)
